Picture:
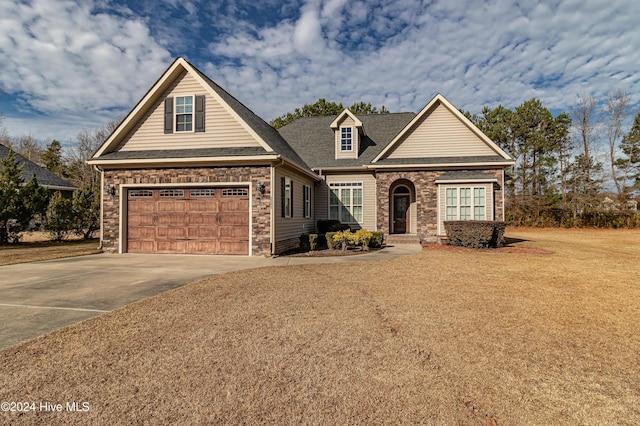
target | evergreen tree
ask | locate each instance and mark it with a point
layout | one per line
(52, 159)
(86, 210)
(630, 146)
(58, 221)
(17, 201)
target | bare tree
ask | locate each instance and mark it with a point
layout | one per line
(585, 123)
(616, 110)
(87, 142)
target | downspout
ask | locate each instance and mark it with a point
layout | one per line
(101, 206)
(272, 212)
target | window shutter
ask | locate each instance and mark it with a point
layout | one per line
(168, 115)
(282, 183)
(199, 113)
(291, 200)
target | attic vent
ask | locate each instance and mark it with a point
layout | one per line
(172, 193)
(140, 193)
(234, 191)
(207, 192)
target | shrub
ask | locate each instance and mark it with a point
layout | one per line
(305, 244)
(376, 239)
(325, 226)
(313, 241)
(475, 233)
(342, 239)
(58, 222)
(330, 241)
(362, 237)
(309, 242)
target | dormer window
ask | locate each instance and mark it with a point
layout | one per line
(184, 113)
(346, 139)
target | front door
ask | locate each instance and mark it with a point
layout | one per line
(400, 207)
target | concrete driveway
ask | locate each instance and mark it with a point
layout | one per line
(40, 297)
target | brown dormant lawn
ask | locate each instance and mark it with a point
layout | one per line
(35, 248)
(441, 337)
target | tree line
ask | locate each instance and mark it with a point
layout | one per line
(566, 165)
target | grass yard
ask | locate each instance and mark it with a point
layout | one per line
(441, 337)
(35, 248)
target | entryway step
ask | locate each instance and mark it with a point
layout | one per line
(403, 239)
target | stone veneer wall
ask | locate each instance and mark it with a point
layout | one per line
(426, 199)
(260, 203)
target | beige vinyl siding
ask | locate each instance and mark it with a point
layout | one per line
(347, 122)
(368, 197)
(442, 202)
(222, 129)
(440, 134)
(292, 227)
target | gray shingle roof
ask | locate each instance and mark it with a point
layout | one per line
(264, 130)
(43, 176)
(313, 138)
(464, 175)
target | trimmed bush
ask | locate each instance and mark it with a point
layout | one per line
(313, 241)
(342, 239)
(376, 239)
(325, 226)
(475, 233)
(330, 241)
(305, 244)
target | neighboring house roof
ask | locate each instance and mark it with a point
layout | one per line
(44, 177)
(313, 138)
(270, 141)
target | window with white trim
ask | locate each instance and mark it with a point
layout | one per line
(184, 113)
(346, 202)
(286, 204)
(465, 203)
(306, 206)
(346, 139)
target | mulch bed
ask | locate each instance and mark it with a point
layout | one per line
(328, 252)
(525, 250)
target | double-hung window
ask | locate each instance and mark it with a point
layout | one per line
(184, 113)
(306, 200)
(465, 203)
(345, 202)
(346, 139)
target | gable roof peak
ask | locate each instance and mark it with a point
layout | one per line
(346, 113)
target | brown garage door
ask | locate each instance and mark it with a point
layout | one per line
(188, 220)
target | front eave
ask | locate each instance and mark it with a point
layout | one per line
(437, 166)
(182, 162)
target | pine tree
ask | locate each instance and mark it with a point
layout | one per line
(52, 159)
(15, 201)
(630, 146)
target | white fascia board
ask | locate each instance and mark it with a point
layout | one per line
(183, 161)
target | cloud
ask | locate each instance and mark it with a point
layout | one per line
(63, 59)
(75, 61)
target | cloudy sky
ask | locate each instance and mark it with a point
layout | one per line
(68, 65)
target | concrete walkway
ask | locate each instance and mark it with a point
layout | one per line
(40, 297)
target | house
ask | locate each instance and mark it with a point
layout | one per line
(43, 176)
(192, 170)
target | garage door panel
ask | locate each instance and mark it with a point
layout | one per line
(168, 247)
(141, 246)
(171, 233)
(171, 206)
(141, 206)
(142, 232)
(233, 247)
(141, 219)
(204, 232)
(172, 219)
(203, 205)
